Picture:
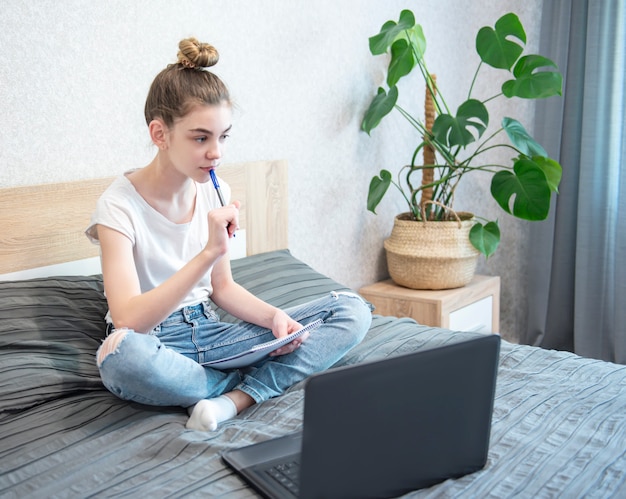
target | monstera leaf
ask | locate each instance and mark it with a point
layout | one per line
(455, 130)
(378, 188)
(552, 170)
(485, 238)
(494, 46)
(532, 84)
(402, 62)
(520, 138)
(380, 43)
(522, 141)
(526, 186)
(380, 107)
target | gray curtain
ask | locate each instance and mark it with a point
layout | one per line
(577, 278)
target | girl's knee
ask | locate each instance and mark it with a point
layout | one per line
(351, 296)
(356, 309)
(127, 362)
(111, 345)
(354, 302)
(125, 348)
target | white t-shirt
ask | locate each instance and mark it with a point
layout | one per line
(160, 247)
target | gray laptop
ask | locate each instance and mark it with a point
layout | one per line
(384, 428)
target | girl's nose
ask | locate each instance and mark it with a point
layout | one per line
(214, 151)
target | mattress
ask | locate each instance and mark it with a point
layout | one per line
(558, 427)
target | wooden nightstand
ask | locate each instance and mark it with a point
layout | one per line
(475, 307)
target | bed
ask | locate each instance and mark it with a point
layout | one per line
(558, 428)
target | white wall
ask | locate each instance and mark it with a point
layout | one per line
(74, 75)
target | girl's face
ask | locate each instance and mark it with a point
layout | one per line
(196, 142)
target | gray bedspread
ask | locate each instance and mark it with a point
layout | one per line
(559, 423)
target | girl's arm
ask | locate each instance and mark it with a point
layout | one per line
(142, 312)
(128, 306)
(239, 302)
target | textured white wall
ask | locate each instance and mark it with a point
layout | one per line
(74, 75)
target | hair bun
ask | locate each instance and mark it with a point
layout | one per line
(194, 54)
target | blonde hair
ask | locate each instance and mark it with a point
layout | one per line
(186, 83)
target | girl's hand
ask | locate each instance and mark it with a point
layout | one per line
(223, 223)
(282, 326)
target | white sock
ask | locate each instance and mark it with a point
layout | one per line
(207, 413)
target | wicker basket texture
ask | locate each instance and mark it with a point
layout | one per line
(431, 255)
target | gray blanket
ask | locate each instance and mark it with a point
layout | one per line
(559, 423)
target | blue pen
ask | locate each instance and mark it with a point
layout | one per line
(217, 187)
(216, 184)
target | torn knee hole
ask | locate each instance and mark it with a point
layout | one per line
(110, 344)
(337, 294)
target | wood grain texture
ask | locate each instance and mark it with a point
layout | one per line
(433, 307)
(44, 224)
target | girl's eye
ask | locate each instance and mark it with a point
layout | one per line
(200, 140)
(224, 137)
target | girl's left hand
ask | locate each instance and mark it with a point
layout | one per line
(282, 326)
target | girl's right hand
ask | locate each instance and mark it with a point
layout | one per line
(223, 223)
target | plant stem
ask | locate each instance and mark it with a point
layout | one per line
(492, 97)
(469, 93)
(427, 78)
(415, 123)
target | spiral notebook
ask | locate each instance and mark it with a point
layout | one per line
(259, 352)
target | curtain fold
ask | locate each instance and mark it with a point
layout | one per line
(577, 279)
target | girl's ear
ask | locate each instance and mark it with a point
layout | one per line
(158, 133)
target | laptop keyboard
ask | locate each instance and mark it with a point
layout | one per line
(287, 474)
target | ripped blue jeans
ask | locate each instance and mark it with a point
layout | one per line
(164, 367)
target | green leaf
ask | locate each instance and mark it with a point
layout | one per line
(528, 185)
(402, 62)
(389, 32)
(485, 238)
(520, 138)
(552, 170)
(417, 39)
(495, 49)
(380, 107)
(454, 131)
(378, 188)
(532, 84)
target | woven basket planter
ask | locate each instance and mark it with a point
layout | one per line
(431, 255)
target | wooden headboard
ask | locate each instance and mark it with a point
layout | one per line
(44, 224)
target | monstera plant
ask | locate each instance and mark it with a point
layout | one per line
(455, 142)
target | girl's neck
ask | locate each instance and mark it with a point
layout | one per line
(166, 190)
